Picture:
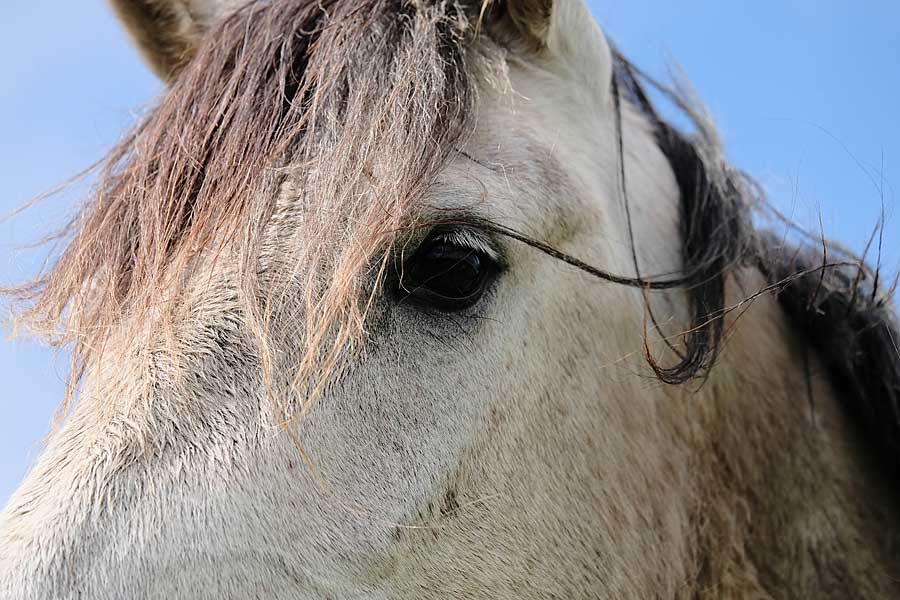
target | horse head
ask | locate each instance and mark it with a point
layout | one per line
(425, 300)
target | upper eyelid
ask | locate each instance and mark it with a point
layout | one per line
(470, 238)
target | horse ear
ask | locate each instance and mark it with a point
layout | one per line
(167, 31)
(524, 21)
(564, 29)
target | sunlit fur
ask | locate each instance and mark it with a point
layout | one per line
(261, 419)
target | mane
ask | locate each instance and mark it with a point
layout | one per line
(360, 103)
(831, 296)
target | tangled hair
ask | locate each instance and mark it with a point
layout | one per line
(852, 326)
(353, 100)
(830, 295)
(358, 104)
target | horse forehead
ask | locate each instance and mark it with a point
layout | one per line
(516, 182)
(528, 160)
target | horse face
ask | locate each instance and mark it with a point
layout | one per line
(493, 426)
(490, 440)
(509, 435)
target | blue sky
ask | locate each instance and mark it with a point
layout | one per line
(805, 93)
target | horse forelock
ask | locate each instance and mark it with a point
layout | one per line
(355, 103)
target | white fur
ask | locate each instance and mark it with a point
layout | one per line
(526, 455)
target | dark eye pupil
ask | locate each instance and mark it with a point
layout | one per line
(452, 271)
(445, 276)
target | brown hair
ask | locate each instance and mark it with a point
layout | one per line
(362, 100)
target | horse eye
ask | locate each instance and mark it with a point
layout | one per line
(445, 276)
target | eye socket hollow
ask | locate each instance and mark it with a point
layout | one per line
(445, 275)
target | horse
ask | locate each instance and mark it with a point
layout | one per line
(424, 299)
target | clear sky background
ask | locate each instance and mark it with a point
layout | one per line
(805, 92)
